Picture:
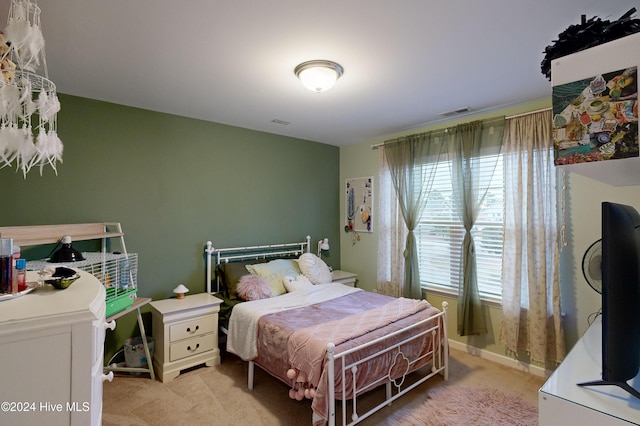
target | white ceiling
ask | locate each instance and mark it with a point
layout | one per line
(232, 61)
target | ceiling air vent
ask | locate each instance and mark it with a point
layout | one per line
(455, 112)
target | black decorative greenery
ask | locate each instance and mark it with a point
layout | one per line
(589, 33)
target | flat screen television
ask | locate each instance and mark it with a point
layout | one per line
(620, 297)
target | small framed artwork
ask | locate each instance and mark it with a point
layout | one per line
(359, 204)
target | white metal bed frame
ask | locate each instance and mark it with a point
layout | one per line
(238, 254)
(436, 328)
(439, 365)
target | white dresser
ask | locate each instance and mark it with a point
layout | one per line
(562, 402)
(51, 355)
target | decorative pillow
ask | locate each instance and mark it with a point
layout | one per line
(296, 283)
(314, 268)
(230, 274)
(253, 287)
(274, 271)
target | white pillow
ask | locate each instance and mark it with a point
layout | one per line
(314, 268)
(296, 283)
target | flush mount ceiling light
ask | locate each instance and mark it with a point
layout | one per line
(318, 76)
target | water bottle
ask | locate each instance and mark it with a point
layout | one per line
(125, 274)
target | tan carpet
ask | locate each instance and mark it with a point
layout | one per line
(219, 395)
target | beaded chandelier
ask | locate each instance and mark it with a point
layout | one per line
(28, 100)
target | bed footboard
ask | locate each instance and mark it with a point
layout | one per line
(395, 386)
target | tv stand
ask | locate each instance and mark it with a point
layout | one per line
(564, 399)
(623, 385)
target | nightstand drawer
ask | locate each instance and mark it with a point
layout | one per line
(192, 328)
(190, 347)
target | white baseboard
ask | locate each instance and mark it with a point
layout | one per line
(500, 359)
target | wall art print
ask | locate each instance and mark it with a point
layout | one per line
(596, 119)
(359, 204)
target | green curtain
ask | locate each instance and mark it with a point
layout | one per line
(473, 149)
(411, 162)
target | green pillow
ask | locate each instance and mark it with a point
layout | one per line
(230, 274)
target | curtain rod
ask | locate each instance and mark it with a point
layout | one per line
(527, 113)
(378, 145)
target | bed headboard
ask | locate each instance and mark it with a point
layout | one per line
(219, 256)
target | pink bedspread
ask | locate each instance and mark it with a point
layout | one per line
(307, 346)
(277, 353)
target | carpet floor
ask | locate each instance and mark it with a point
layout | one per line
(464, 405)
(219, 396)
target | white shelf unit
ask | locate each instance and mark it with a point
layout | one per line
(587, 64)
(35, 235)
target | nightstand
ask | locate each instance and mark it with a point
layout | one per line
(186, 334)
(344, 277)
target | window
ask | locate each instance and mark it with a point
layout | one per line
(439, 237)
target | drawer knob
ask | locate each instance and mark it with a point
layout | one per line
(194, 349)
(107, 377)
(196, 329)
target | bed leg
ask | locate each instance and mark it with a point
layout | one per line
(445, 338)
(389, 393)
(331, 382)
(250, 375)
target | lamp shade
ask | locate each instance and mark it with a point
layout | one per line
(66, 253)
(323, 245)
(318, 76)
(180, 291)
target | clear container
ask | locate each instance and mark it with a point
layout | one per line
(6, 264)
(14, 274)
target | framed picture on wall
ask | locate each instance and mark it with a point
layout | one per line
(359, 204)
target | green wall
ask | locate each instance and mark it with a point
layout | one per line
(174, 183)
